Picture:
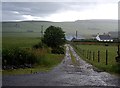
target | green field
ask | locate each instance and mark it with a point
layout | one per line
(12, 42)
(46, 60)
(112, 66)
(22, 34)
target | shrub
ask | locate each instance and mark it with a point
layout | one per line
(39, 45)
(58, 50)
(17, 57)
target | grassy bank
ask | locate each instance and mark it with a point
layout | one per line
(46, 64)
(46, 60)
(111, 66)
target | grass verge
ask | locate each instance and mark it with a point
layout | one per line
(46, 64)
(112, 66)
(73, 58)
(26, 71)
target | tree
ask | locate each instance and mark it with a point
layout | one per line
(54, 37)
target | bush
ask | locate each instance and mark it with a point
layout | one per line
(58, 50)
(54, 37)
(17, 57)
(39, 45)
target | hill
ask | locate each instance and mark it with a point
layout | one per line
(84, 27)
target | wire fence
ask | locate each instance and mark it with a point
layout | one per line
(92, 55)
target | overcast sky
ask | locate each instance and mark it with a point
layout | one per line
(60, 11)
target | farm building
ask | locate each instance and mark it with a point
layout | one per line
(104, 37)
(75, 39)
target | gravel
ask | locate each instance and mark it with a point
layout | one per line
(65, 74)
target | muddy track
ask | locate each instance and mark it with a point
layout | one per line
(65, 74)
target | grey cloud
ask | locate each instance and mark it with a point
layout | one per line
(8, 15)
(41, 9)
(79, 6)
(31, 8)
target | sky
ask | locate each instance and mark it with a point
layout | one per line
(60, 11)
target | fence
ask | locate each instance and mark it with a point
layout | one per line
(92, 55)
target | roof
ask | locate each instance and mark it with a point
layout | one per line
(105, 37)
(74, 39)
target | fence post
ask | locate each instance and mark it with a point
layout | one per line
(98, 56)
(82, 52)
(90, 56)
(93, 55)
(87, 54)
(106, 57)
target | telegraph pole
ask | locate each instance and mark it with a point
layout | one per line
(42, 30)
(42, 35)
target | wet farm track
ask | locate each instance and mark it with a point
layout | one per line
(65, 74)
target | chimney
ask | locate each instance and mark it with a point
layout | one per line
(76, 34)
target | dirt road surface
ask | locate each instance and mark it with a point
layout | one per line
(65, 74)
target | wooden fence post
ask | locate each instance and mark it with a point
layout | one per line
(106, 57)
(90, 56)
(82, 52)
(93, 55)
(98, 56)
(87, 54)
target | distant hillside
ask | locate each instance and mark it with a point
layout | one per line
(113, 34)
(84, 27)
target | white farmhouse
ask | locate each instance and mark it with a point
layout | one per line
(104, 37)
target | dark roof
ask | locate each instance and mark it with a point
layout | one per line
(105, 37)
(74, 39)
